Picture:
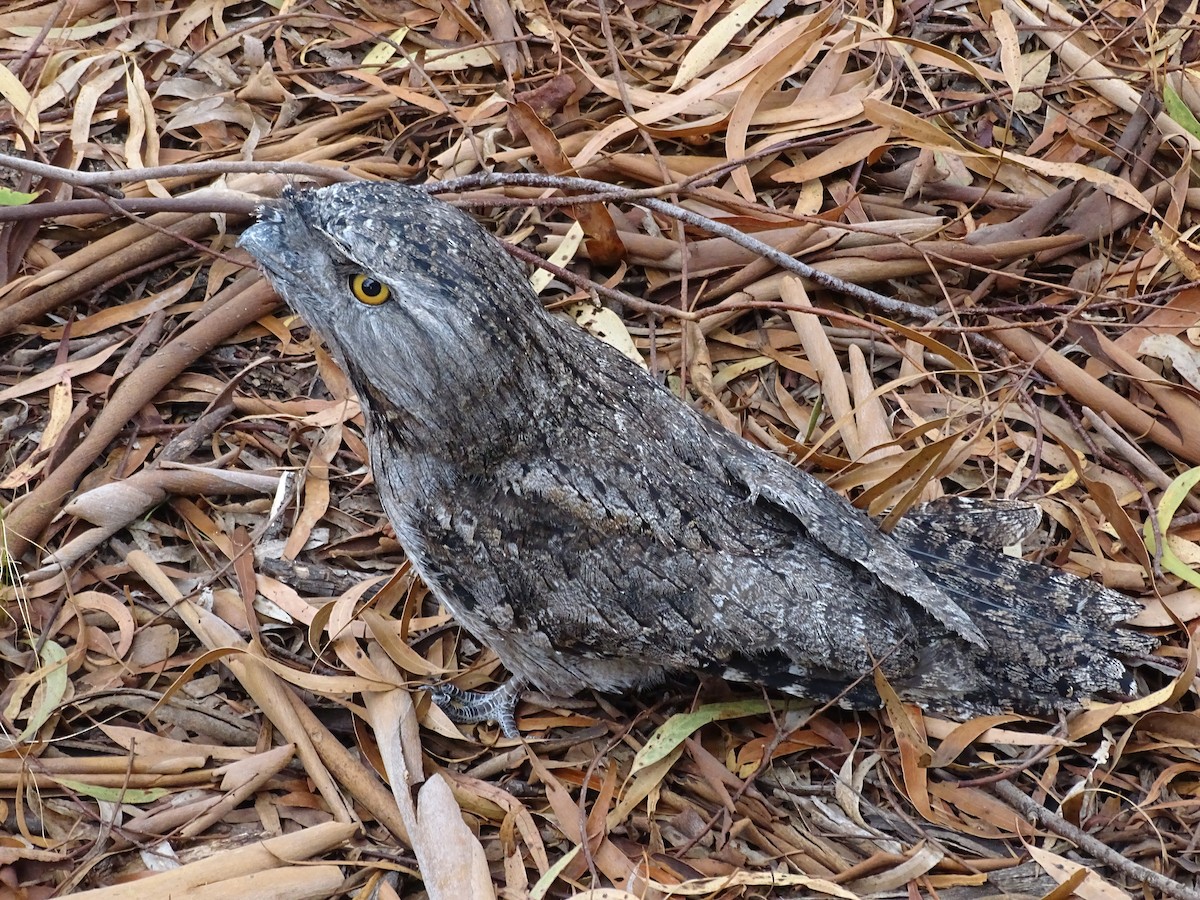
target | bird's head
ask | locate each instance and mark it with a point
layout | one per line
(411, 295)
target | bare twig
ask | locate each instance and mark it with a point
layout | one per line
(181, 170)
(880, 303)
(207, 201)
(884, 305)
(1093, 847)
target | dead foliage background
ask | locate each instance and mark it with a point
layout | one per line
(211, 649)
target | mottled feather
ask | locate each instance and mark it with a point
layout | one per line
(597, 532)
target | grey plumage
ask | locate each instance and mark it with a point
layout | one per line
(596, 532)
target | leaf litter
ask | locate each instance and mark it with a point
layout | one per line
(212, 648)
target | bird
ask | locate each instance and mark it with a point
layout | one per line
(598, 532)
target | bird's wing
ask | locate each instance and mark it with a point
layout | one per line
(670, 569)
(992, 523)
(844, 530)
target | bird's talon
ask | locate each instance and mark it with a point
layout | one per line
(469, 707)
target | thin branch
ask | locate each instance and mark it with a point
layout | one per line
(182, 170)
(1093, 847)
(884, 305)
(879, 303)
(205, 201)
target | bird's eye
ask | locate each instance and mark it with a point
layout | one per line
(369, 290)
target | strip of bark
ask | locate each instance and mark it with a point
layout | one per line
(1088, 390)
(126, 255)
(244, 302)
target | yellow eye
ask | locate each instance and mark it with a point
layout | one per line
(369, 290)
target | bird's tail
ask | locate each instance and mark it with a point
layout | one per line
(1053, 638)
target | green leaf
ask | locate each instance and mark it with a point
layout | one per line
(815, 418)
(1172, 497)
(1179, 111)
(49, 683)
(113, 794)
(9, 197)
(681, 726)
(547, 881)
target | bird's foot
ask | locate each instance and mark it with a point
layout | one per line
(467, 707)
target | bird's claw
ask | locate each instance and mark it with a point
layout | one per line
(467, 707)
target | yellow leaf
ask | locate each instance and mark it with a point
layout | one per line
(562, 255)
(709, 47)
(18, 98)
(382, 52)
(1010, 50)
(1083, 881)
